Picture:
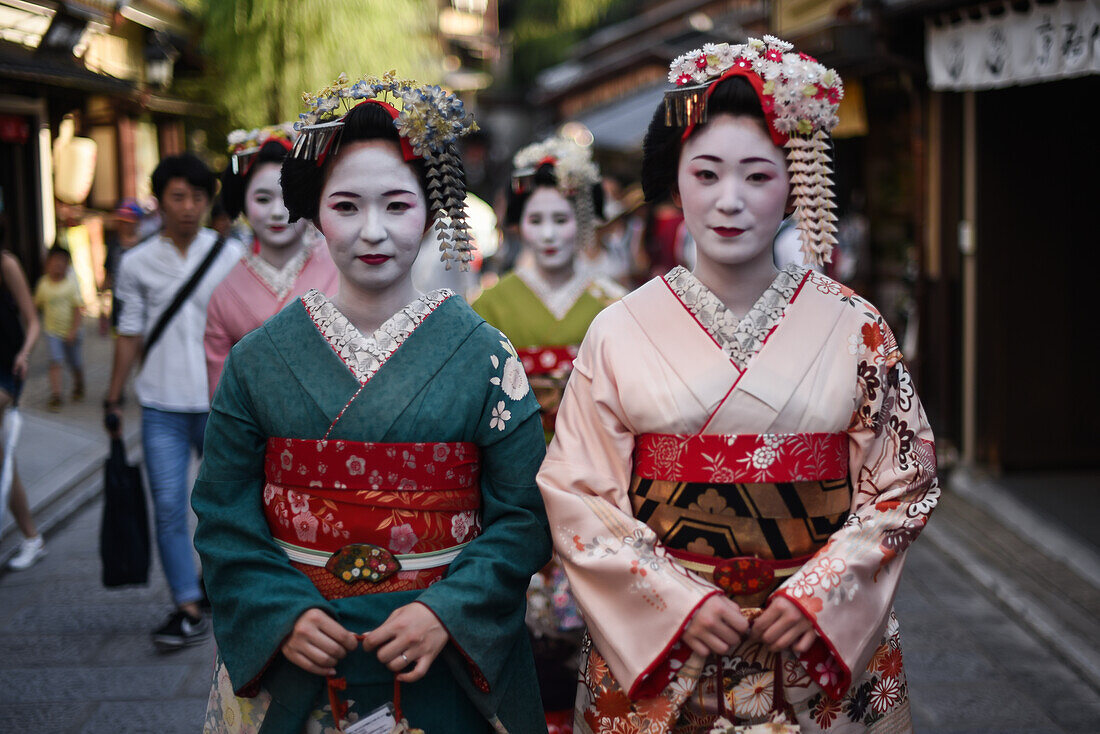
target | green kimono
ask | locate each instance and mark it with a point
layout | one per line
(432, 373)
(533, 315)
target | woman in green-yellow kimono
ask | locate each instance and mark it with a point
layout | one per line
(545, 308)
(368, 517)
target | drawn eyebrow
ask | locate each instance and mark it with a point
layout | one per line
(706, 157)
(758, 160)
(398, 192)
(350, 194)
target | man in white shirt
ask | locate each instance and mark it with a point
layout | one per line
(171, 381)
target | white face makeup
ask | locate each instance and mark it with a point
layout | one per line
(549, 227)
(733, 188)
(372, 213)
(265, 211)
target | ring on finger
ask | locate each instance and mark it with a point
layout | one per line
(405, 658)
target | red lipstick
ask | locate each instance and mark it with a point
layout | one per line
(728, 231)
(374, 259)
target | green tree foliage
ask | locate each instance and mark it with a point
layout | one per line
(544, 30)
(263, 54)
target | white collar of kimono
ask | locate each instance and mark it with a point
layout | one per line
(741, 338)
(365, 355)
(279, 281)
(557, 299)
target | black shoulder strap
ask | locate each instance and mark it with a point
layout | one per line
(181, 295)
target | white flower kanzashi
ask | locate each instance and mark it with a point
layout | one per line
(501, 415)
(573, 164)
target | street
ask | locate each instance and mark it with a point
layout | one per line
(75, 657)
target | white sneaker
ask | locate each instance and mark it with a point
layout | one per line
(30, 551)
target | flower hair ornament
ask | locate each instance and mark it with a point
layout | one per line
(575, 172)
(799, 96)
(429, 120)
(243, 145)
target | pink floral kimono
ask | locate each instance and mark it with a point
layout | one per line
(783, 453)
(254, 291)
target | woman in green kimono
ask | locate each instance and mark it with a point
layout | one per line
(368, 517)
(545, 309)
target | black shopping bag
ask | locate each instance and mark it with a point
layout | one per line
(124, 531)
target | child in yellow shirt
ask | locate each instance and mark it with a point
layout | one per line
(57, 295)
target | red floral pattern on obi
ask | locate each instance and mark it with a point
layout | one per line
(404, 497)
(547, 360)
(748, 458)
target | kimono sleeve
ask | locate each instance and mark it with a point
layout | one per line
(848, 587)
(255, 593)
(482, 600)
(216, 341)
(635, 600)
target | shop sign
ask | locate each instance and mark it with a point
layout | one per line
(1002, 47)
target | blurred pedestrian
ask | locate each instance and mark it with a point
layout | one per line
(287, 259)
(121, 236)
(57, 296)
(556, 200)
(19, 329)
(741, 460)
(164, 285)
(368, 519)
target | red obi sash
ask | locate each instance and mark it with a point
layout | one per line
(754, 458)
(547, 360)
(362, 518)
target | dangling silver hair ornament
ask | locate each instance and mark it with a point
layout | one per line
(243, 145)
(429, 120)
(800, 98)
(575, 172)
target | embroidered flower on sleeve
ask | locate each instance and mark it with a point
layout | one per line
(500, 417)
(513, 380)
(829, 571)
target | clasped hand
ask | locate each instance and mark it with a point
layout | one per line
(411, 636)
(718, 627)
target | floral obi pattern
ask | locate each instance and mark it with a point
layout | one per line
(362, 518)
(548, 370)
(744, 511)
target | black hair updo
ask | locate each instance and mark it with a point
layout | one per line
(661, 148)
(544, 176)
(235, 185)
(303, 180)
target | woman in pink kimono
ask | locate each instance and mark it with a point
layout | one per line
(740, 460)
(287, 258)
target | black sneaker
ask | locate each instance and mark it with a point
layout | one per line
(179, 631)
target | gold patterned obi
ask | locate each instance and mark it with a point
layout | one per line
(364, 518)
(743, 511)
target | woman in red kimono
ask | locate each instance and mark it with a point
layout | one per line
(740, 460)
